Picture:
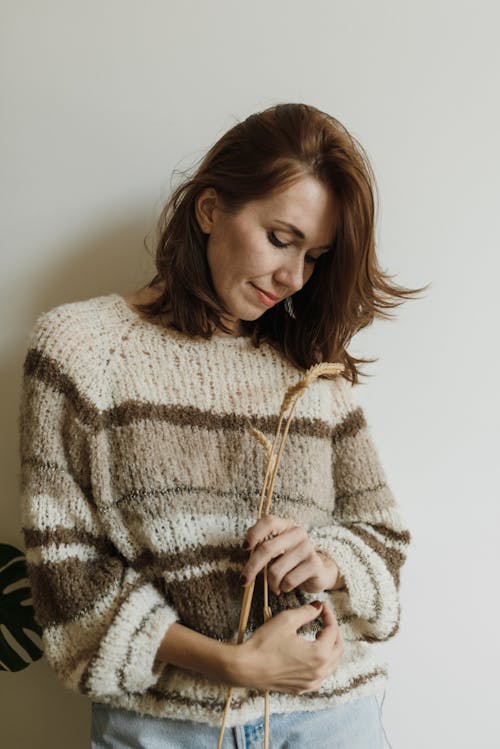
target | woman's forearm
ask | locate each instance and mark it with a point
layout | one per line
(182, 646)
(220, 661)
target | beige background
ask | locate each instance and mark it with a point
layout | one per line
(102, 100)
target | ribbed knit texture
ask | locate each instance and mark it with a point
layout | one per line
(139, 479)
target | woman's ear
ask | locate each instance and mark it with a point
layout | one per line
(205, 203)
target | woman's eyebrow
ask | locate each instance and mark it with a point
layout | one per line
(301, 235)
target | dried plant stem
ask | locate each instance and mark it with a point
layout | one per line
(291, 397)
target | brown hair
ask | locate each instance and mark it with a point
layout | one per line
(266, 152)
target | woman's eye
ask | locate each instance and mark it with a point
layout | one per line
(275, 241)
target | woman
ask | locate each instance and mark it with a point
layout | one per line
(141, 477)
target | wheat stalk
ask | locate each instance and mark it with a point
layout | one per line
(290, 398)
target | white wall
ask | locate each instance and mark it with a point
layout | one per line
(102, 100)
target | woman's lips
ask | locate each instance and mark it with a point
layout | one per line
(264, 297)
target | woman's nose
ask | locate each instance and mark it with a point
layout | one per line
(291, 274)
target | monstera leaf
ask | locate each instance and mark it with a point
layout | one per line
(16, 613)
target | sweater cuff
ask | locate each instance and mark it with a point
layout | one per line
(372, 596)
(126, 659)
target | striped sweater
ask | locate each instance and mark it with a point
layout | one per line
(139, 478)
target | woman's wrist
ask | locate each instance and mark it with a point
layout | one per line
(336, 580)
(243, 665)
(236, 666)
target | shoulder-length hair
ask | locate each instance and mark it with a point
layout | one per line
(267, 152)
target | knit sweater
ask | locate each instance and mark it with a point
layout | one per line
(139, 478)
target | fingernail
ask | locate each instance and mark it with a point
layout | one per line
(243, 579)
(317, 604)
(246, 544)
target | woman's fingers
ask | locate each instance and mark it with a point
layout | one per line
(286, 543)
(330, 634)
(285, 574)
(267, 525)
(298, 563)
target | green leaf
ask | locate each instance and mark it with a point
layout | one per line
(17, 617)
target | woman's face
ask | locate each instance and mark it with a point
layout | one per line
(244, 252)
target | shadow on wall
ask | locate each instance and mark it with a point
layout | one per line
(112, 259)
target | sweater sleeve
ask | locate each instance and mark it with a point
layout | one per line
(367, 537)
(102, 621)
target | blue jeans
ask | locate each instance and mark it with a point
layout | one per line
(355, 724)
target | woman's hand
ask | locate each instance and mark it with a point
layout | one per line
(275, 657)
(297, 563)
